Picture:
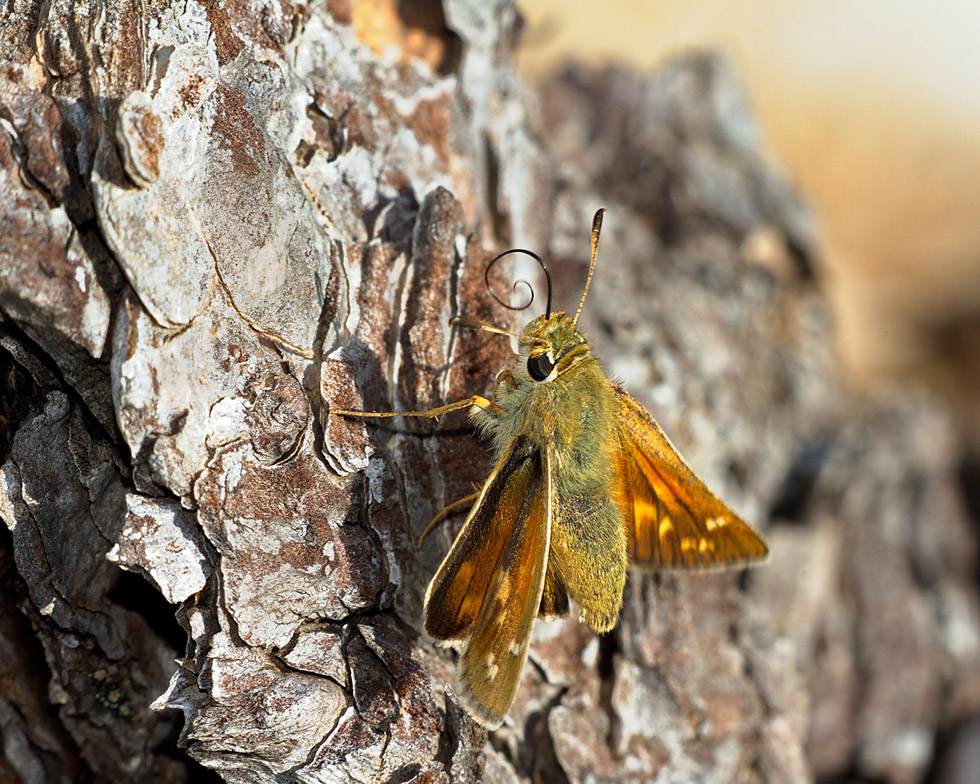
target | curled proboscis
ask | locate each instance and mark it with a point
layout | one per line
(526, 305)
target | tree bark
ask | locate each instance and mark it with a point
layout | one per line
(220, 221)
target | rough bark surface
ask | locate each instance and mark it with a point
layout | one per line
(219, 220)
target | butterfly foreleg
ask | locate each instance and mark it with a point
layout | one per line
(488, 415)
(432, 413)
(505, 384)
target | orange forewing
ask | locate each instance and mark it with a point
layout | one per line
(486, 594)
(492, 659)
(459, 589)
(672, 519)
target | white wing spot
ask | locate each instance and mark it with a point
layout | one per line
(715, 522)
(492, 671)
(515, 648)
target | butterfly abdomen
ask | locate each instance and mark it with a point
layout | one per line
(589, 548)
(588, 539)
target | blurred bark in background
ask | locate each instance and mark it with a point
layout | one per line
(872, 109)
(217, 221)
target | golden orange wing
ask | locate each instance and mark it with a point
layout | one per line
(460, 588)
(487, 592)
(672, 519)
(492, 659)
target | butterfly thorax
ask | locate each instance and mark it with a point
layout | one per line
(565, 408)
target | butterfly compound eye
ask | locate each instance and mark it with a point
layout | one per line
(540, 367)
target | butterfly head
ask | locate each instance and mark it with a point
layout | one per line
(550, 346)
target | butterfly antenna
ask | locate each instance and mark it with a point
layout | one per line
(596, 227)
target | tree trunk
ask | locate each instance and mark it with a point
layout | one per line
(221, 220)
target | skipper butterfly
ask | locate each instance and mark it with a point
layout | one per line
(584, 483)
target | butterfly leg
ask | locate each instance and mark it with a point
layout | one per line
(444, 513)
(432, 413)
(483, 409)
(505, 383)
(467, 322)
(486, 417)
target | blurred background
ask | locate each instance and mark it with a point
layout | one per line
(873, 108)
